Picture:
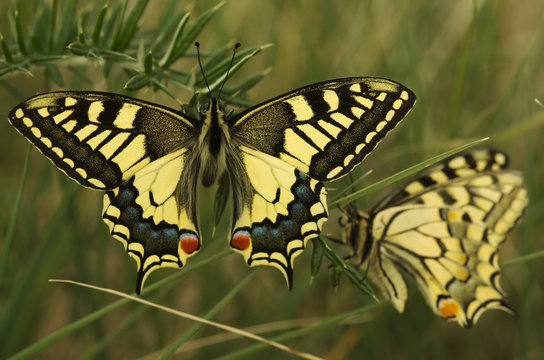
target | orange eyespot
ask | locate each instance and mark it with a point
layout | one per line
(188, 243)
(448, 308)
(240, 240)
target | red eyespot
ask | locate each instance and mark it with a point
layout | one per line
(241, 240)
(188, 243)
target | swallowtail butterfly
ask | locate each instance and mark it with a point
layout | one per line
(443, 229)
(150, 159)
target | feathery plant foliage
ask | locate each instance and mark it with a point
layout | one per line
(112, 37)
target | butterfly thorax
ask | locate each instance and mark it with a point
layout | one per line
(213, 139)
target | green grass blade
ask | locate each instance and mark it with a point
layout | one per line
(402, 174)
(210, 314)
(14, 216)
(83, 322)
(320, 325)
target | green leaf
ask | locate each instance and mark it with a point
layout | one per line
(192, 32)
(130, 26)
(19, 34)
(52, 22)
(137, 82)
(5, 49)
(168, 56)
(98, 25)
(79, 48)
(148, 63)
(317, 256)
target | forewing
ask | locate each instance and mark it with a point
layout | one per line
(282, 209)
(154, 216)
(325, 129)
(100, 139)
(440, 176)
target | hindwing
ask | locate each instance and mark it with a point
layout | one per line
(444, 228)
(281, 211)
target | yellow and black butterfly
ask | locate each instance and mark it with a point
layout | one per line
(150, 160)
(443, 229)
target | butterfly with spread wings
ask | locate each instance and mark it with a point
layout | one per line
(443, 229)
(151, 159)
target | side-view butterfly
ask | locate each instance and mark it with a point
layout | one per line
(443, 228)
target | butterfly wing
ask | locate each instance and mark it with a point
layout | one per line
(327, 128)
(280, 211)
(133, 149)
(443, 229)
(319, 132)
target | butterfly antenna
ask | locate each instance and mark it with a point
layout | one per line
(228, 70)
(197, 44)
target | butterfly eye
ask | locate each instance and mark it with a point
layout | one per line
(205, 107)
(221, 107)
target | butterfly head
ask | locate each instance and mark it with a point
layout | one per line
(214, 105)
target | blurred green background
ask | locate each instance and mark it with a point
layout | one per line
(476, 67)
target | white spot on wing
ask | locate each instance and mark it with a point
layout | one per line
(404, 95)
(19, 113)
